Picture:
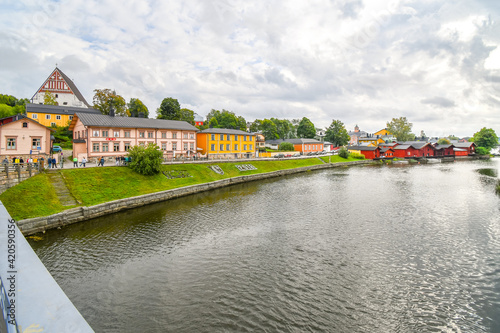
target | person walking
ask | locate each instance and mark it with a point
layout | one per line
(50, 162)
(75, 162)
(83, 162)
(54, 163)
(102, 161)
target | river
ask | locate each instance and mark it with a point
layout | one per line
(354, 249)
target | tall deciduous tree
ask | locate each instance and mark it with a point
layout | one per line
(306, 129)
(135, 107)
(226, 119)
(269, 130)
(337, 134)
(486, 138)
(401, 129)
(443, 141)
(169, 109)
(104, 99)
(187, 115)
(255, 126)
(49, 98)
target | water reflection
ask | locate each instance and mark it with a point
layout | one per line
(377, 249)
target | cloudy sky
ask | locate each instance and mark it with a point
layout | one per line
(363, 62)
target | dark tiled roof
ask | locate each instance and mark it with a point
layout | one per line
(443, 146)
(73, 87)
(225, 131)
(56, 109)
(401, 147)
(100, 120)
(294, 141)
(463, 144)
(362, 148)
(383, 150)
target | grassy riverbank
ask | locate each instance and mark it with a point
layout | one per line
(91, 186)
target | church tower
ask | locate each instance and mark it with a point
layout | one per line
(63, 89)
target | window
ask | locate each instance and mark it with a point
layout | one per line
(126, 134)
(191, 146)
(164, 135)
(127, 146)
(221, 147)
(95, 147)
(251, 147)
(105, 147)
(185, 146)
(236, 147)
(65, 103)
(185, 135)
(11, 143)
(34, 116)
(141, 134)
(244, 138)
(191, 136)
(36, 143)
(47, 116)
(212, 137)
(244, 147)
(212, 147)
(235, 137)
(58, 117)
(150, 135)
(104, 135)
(163, 145)
(116, 134)
(116, 146)
(25, 125)
(227, 137)
(174, 135)
(222, 136)
(174, 145)
(53, 124)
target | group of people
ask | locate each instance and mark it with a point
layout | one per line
(52, 162)
(83, 162)
(20, 161)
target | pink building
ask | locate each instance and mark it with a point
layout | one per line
(96, 135)
(22, 137)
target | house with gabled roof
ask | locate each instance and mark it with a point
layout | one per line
(62, 88)
(54, 115)
(370, 152)
(411, 149)
(96, 135)
(302, 145)
(464, 148)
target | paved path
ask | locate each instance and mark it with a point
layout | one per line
(62, 190)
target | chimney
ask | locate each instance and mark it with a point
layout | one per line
(141, 114)
(111, 111)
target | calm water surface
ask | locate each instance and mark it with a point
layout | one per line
(361, 249)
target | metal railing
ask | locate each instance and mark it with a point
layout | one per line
(8, 324)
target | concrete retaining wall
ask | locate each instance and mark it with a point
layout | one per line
(39, 224)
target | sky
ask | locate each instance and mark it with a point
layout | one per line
(437, 63)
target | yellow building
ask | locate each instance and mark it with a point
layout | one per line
(370, 141)
(382, 132)
(53, 115)
(226, 143)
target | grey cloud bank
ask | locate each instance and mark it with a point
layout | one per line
(437, 63)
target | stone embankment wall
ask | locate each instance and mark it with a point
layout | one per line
(11, 175)
(39, 224)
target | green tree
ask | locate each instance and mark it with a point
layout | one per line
(401, 129)
(306, 129)
(452, 137)
(268, 129)
(187, 115)
(49, 98)
(227, 119)
(284, 128)
(443, 141)
(286, 146)
(9, 105)
(105, 99)
(343, 152)
(135, 106)
(486, 138)
(255, 126)
(169, 109)
(146, 160)
(213, 123)
(337, 134)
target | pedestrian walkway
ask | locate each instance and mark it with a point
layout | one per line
(62, 191)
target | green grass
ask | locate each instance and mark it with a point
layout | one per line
(91, 186)
(338, 159)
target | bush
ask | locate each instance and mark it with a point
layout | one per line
(286, 146)
(359, 156)
(146, 160)
(482, 151)
(343, 152)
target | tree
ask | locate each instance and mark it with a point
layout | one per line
(443, 141)
(9, 105)
(105, 99)
(401, 129)
(146, 160)
(343, 152)
(337, 134)
(306, 129)
(49, 98)
(486, 138)
(169, 109)
(255, 126)
(268, 129)
(213, 123)
(135, 107)
(227, 119)
(187, 115)
(286, 146)
(452, 137)
(284, 128)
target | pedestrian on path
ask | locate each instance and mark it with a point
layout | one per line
(50, 162)
(83, 162)
(75, 162)
(102, 161)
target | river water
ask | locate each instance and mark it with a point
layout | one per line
(358, 249)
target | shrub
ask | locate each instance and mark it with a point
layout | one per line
(286, 146)
(343, 152)
(482, 151)
(359, 156)
(146, 160)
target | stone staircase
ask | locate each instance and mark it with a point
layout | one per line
(62, 190)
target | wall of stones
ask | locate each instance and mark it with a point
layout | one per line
(79, 214)
(12, 175)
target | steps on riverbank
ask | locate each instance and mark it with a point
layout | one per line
(62, 191)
